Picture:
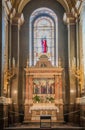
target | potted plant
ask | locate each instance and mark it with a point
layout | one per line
(36, 98)
(50, 99)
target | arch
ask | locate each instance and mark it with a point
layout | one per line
(24, 2)
(35, 16)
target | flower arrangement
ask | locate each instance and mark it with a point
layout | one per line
(50, 99)
(36, 98)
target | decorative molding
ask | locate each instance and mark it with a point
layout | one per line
(18, 19)
(43, 67)
(62, 2)
(69, 18)
(74, 12)
(8, 6)
(78, 6)
(12, 14)
(22, 5)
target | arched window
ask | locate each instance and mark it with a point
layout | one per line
(43, 36)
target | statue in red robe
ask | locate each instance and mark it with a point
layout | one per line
(44, 45)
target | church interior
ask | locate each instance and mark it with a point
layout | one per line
(42, 68)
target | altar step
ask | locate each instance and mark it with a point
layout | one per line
(58, 128)
(36, 126)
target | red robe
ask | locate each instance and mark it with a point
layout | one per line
(44, 45)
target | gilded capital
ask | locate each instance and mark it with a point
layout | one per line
(18, 19)
(68, 18)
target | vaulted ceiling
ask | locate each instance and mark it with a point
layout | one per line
(67, 4)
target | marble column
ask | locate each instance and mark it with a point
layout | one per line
(72, 56)
(17, 21)
(4, 60)
(79, 46)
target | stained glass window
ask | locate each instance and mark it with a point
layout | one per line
(43, 38)
(43, 31)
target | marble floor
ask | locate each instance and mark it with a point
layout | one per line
(37, 126)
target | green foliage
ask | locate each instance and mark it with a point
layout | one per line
(36, 98)
(51, 99)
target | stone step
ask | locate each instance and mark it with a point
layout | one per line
(37, 126)
(58, 128)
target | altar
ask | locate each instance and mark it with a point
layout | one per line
(43, 93)
(41, 109)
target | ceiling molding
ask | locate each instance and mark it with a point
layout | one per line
(22, 5)
(8, 6)
(64, 4)
(24, 2)
(68, 5)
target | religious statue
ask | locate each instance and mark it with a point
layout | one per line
(44, 45)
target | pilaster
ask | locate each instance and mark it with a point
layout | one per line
(56, 89)
(70, 20)
(17, 20)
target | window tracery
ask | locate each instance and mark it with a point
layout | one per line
(43, 36)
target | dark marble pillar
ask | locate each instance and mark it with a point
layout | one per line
(72, 56)
(0, 42)
(16, 90)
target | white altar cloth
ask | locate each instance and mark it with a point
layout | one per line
(41, 106)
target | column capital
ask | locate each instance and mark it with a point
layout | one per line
(69, 18)
(18, 19)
